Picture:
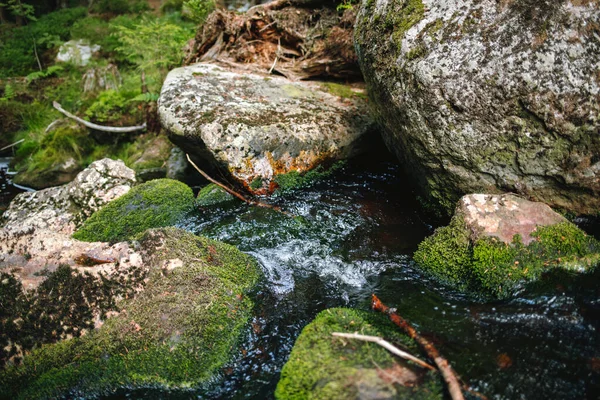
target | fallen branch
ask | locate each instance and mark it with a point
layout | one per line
(454, 386)
(12, 145)
(112, 129)
(386, 345)
(233, 192)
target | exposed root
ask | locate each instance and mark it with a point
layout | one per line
(297, 42)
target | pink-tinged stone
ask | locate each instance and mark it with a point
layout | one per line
(503, 216)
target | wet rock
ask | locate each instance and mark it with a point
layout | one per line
(496, 244)
(176, 164)
(325, 367)
(488, 96)
(176, 333)
(62, 209)
(77, 52)
(252, 128)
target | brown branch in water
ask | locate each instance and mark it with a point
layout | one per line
(386, 345)
(454, 386)
(233, 192)
(111, 129)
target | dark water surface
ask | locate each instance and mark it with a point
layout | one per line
(355, 235)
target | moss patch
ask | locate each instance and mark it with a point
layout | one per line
(212, 194)
(176, 333)
(158, 203)
(295, 180)
(499, 269)
(324, 367)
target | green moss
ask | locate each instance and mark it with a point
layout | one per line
(343, 91)
(492, 267)
(176, 333)
(447, 253)
(325, 367)
(408, 15)
(212, 194)
(158, 203)
(416, 52)
(295, 180)
(256, 184)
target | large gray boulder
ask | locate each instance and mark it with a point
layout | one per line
(489, 95)
(252, 127)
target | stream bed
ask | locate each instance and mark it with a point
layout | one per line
(355, 235)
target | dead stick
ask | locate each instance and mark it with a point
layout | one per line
(386, 345)
(454, 387)
(112, 129)
(231, 191)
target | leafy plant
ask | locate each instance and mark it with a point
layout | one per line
(53, 70)
(153, 45)
(108, 106)
(9, 93)
(120, 6)
(198, 10)
(146, 97)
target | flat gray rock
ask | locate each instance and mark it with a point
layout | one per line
(254, 127)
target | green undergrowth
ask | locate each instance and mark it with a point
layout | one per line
(157, 203)
(296, 180)
(176, 333)
(325, 367)
(495, 268)
(211, 195)
(131, 42)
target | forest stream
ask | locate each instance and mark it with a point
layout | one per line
(355, 236)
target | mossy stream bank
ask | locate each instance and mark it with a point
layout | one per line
(354, 234)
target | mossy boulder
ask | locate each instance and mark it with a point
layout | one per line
(176, 333)
(488, 96)
(496, 244)
(158, 203)
(211, 195)
(325, 367)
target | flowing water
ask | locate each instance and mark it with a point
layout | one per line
(354, 236)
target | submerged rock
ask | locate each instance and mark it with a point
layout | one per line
(62, 209)
(176, 333)
(253, 128)
(78, 52)
(325, 367)
(497, 243)
(488, 95)
(154, 204)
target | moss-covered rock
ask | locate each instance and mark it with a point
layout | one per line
(158, 203)
(176, 333)
(212, 194)
(492, 247)
(325, 367)
(295, 180)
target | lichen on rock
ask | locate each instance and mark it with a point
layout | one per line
(496, 244)
(325, 367)
(250, 128)
(176, 333)
(154, 204)
(488, 96)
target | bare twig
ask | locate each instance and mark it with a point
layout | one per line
(112, 129)
(233, 192)
(454, 386)
(276, 55)
(386, 345)
(12, 145)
